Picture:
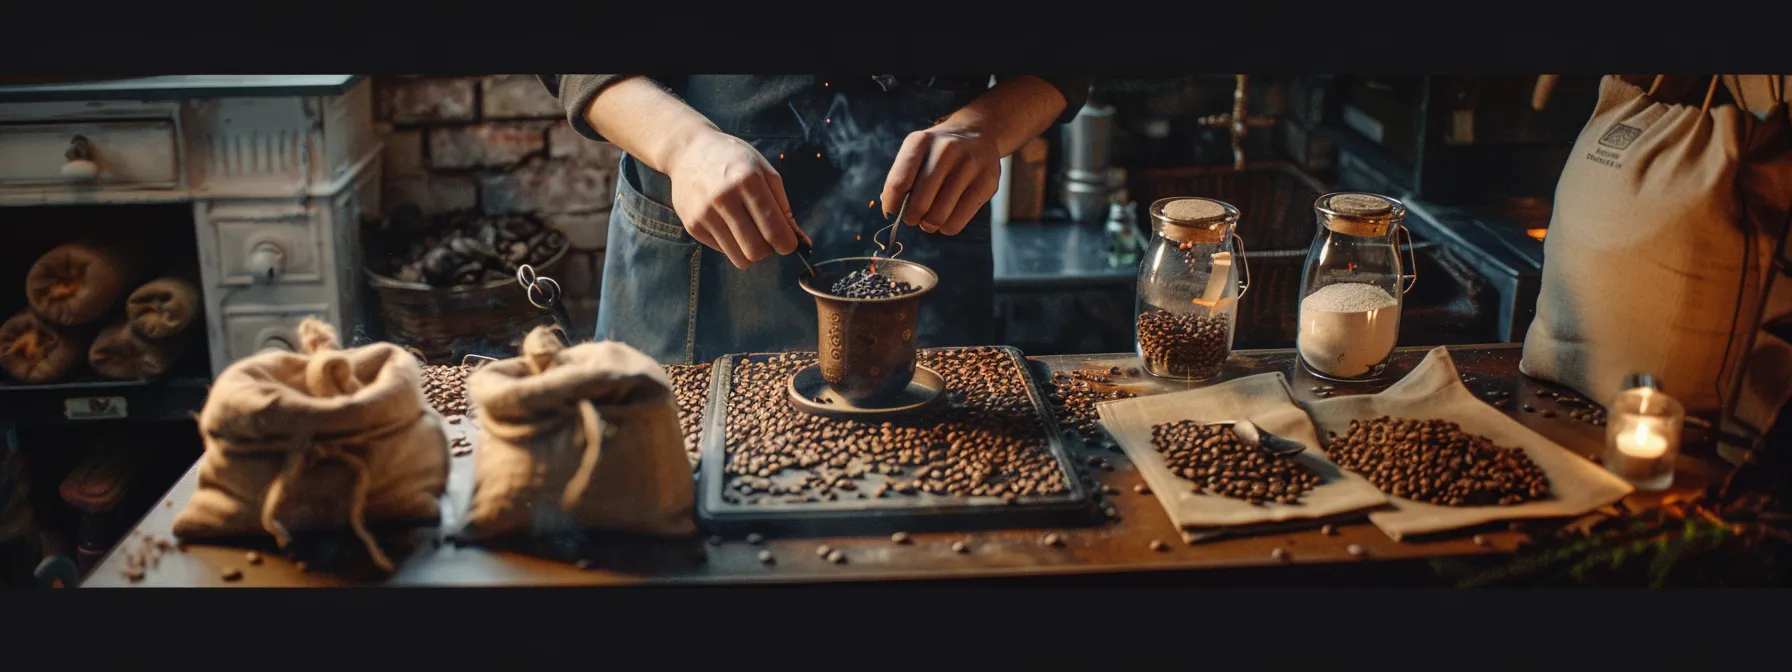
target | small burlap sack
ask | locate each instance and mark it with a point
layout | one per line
(1665, 220)
(316, 441)
(119, 353)
(585, 437)
(163, 308)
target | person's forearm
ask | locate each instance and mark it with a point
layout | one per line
(1011, 113)
(647, 122)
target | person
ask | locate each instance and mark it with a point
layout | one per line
(721, 175)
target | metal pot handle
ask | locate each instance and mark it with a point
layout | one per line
(1244, 265)
(1412, 254)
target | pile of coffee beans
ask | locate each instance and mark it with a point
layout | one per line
(1073, 396)
(459, 248)
(690, 387)
(867, 283)
(1435, 461)
(1183, 346)
(1579, 409)
(446, 387)
(1220, 463)
(985, 440)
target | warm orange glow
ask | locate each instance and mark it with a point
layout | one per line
(872, 204)
(827, 121)
(824, 84)
(780, 157)
(818, 155)
(1537, 233)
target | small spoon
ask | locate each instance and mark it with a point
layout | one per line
(1269, 443)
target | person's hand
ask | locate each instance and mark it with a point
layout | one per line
(731, 199)
(948, 173)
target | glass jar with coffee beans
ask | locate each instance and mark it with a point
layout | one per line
(1189, 285)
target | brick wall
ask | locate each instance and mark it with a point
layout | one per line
(500, 144)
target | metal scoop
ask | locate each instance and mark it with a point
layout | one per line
(1271, 444)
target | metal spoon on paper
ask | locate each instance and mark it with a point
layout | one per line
(1250, 433)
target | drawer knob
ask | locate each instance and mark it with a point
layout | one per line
(267, 262)
(81, 166)
(277, 343)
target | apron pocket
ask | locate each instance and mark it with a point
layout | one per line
(650, 277)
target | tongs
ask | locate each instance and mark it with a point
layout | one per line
(545, 294)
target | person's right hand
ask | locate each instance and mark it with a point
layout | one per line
(731, 199)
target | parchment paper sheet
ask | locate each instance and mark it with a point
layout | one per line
(1262, 399)
(1435, 390)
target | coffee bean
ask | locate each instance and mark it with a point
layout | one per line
(1515, 526)
(985, 441)
(1141, 489)
(869, 284)
(1183, 346)
(135, 574)
(1219, 463)
(765, 557)
(1279, 553)
(1480, 540)
(1159, 545)
(445, 386)
(690, 390)
(837, 558)
(1548, 413)
(252, 558)
(899, 537)
(1355, 551)
(755, 539)
(1329, 530)
(1053, 540)
(583, 564)
(1434, 461)
(823, 551)
(232, 574)
(960, 547)
(1528, 408)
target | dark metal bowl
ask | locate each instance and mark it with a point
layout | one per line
(867, 346)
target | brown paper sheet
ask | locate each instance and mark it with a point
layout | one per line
(1435, 390)
(1262, 399)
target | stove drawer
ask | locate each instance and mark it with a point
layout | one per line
(133, 153)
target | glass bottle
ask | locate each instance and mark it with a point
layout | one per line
(1353, 286)
(1189, 288)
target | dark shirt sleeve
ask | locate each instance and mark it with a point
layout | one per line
(1075, 90)
(575, 93)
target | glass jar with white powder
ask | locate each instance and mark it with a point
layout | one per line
(1189, 284)
(1352, 286)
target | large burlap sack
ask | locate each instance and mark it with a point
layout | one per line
(33, 350)
(577, 438)
(1657, 254)
(119, 353)
(317, 441)
(77, 283)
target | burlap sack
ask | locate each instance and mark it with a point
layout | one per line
(1656, 255)
(32, 350)
(317, 441)
(119, 353)
(163, 308)
(77, 283)
(585, 437)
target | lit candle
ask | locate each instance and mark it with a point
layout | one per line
(1643, 436)
(1646, 442)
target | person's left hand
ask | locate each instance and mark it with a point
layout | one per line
(948, 173)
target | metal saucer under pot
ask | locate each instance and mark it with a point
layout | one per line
(811, 394)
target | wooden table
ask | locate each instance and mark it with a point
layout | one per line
(1112, 549)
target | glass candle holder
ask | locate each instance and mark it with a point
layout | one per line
(1642, 437)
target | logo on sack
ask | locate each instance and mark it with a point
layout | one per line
(1620, 136)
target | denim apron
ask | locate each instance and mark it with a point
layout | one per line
(682, 303)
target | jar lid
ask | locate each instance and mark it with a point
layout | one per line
(1192, 219)
(1358, 213)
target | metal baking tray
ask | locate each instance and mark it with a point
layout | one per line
(920, 512)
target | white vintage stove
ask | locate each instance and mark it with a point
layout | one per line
(277, 169)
